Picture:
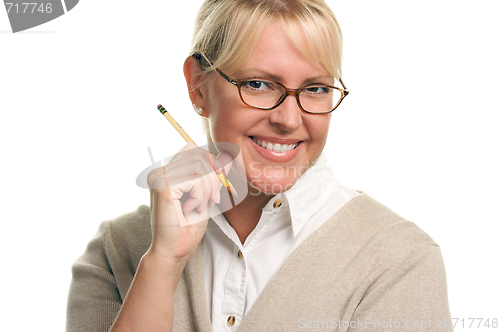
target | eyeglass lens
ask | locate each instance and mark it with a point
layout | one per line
(266, 94)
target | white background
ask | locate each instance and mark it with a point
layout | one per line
(78, 100)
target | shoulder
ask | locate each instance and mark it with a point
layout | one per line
(116, 249)
(120, 242)
(364, 227)
(129, 235)
(370, 219)
(371, 243)
(133, 226)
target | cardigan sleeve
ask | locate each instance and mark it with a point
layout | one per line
(411, 294)
(94, 299)
(103, 274)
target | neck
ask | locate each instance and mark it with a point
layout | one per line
(245, 216)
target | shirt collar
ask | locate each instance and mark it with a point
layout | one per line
(310, 193)
(307, 196)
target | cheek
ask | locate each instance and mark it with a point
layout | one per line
(319, 128)
(225, 125)
(222, 111)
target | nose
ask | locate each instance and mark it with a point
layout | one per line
(288, 115)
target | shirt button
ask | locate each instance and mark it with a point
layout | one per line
(231, 320)
(240, 254)
(277, 203)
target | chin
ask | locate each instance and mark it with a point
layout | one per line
(270, 186)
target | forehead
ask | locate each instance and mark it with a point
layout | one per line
(275, 54)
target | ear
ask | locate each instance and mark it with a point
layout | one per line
(194, 78)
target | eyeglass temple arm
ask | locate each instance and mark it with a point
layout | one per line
(346, 90)
(226, 77)
(216, 69)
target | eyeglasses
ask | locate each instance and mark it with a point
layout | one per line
(266, 95)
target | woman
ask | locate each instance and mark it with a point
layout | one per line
(299, 250)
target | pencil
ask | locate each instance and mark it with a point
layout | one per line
(188, 139)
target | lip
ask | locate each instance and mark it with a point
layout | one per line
(275, 140)
(278, 157)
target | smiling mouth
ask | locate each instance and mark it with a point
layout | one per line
(275, 147)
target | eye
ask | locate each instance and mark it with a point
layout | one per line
(257, 86)
(317, 90)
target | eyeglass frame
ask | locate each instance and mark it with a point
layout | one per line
(288, 92)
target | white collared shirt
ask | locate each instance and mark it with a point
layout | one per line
(236, 273)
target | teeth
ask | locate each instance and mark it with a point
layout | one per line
(275, 147)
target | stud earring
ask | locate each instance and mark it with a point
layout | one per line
(199, 110)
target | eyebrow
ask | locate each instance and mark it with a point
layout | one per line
(279, 78)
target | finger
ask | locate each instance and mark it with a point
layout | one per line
(223, 161)
(199, 189)
(211, 181)
(216, 182)
(157, 179)
(199, 198)
(195, 216)
(216, 185)
(191, 151)
(188, 184)
(194, 166)
(226, 160)
(195, 154)
(207, 191)
(204, 157)
(186, 150)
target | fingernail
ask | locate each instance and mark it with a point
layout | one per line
(217, 197)
(204, 206)
(217, 165)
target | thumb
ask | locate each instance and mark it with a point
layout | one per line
(224, 160)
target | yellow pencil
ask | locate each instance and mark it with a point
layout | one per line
(188, 139)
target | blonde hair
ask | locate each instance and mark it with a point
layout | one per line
(226, 32)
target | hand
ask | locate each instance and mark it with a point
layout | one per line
(182, 195)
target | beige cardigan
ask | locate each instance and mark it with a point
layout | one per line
(366, 266)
